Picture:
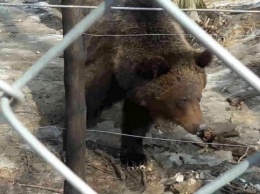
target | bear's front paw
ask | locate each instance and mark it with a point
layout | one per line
(133, 159)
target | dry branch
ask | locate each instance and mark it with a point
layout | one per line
(118, 170)
(41, 188)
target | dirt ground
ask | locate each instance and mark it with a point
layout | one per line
(26, 33)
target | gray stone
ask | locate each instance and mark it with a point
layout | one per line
(166, 164)
(49, 132)
(256, 109)
(6, 163)
(175, 158)
(257, 187)
(105, 125)
(211, 160)
(161, 156)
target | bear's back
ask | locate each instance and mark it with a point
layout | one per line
(134, 39)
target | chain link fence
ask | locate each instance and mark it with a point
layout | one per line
(12, 94)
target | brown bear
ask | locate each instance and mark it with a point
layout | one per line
(157, 76)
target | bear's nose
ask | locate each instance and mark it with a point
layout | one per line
(201, 128)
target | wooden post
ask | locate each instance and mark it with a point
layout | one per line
(74, 136)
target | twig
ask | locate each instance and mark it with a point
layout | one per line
(117, 168)
(41, 187)
(144, 180)
(243, 155)
(98, 168)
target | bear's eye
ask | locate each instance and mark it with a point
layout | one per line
(184, 99)
(181, 103)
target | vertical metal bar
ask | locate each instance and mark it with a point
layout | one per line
(210, 43)
(230, 175)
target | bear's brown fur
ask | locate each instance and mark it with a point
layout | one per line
(157, 76)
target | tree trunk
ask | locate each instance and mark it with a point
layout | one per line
(75, 134)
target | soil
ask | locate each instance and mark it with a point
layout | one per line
(26, 33)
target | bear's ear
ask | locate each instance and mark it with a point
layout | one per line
(203, 59)
(152, 67)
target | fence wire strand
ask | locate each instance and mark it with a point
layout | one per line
(161, 139)
(97, 12)
(253, 35)
(171, 140)
(125, 8)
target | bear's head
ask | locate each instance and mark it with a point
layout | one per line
(172, 87)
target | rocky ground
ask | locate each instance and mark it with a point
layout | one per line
(176, 167)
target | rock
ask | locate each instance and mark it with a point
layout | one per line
(162, 159)
(178, 178)
(161, 156)
(234, 88)
(189, 186)
(248, 133)
(213, 106)
(105, 125)
(8, 170)
(192, 137)
(49, 132)
(193, 185)
(211, 160)
(222, 127)
(36, 18)
(225, 155)
(246, 118)
(257, 187)
(166, 164)
(256, 109)
(206, 176)
(175, 158)
(43, 4)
